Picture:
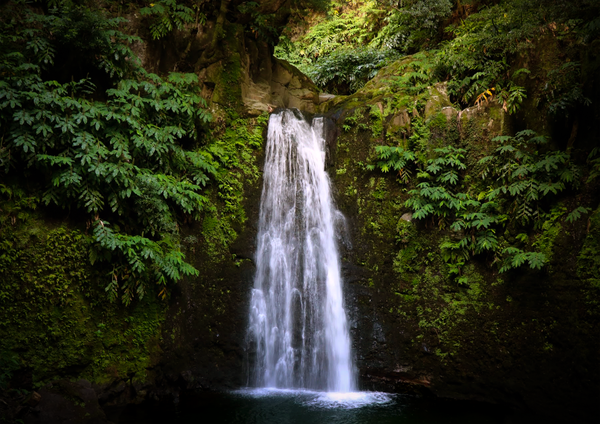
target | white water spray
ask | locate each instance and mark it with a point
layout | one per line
(298, 333)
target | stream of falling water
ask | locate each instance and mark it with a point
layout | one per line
(298, 333)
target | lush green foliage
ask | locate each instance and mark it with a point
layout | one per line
(342, 29)
(396, 159)
(523, 175)
(438, 198)
(416, 74)
(413, 25)
(479, 56)
(518, 176)
(353, 40)
(348, 69)
(166, 15)
(335, 52)
(124, 159)
(260, 25)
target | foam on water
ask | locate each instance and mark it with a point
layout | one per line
(321, 400)
(350, 400)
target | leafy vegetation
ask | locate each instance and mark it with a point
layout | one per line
(352, 40)
(347, 70)
(474, 46)
(394, 159)
(127, 155)
(412, 25)
(167, 15)
(524, 176)
(336, 52)
(517, 178)
(480, 54)
(476, 60)
(260, 25)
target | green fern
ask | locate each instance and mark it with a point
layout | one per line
(576, 213)
(167, 15)
(594, 162)
(394, 159)
(134, 159)
(524, 175)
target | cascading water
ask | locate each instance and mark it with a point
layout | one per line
(297, 326)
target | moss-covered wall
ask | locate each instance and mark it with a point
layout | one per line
(525, 338)
(56, 323)
(55, 319)
(205, 328)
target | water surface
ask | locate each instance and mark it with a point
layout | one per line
(276, 406)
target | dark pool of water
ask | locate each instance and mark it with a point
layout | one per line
(265, 406)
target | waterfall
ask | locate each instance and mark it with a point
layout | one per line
(298, 332)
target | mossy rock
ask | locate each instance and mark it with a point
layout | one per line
(55, 315)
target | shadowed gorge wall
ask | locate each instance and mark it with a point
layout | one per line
(522, 337)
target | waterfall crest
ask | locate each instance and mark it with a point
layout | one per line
(298, 330)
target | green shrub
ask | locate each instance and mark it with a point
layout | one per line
(413, 26)
(347, 70)
(335, 52)
(519, 176)
(166, 15)
(483, 46)
(132, 159)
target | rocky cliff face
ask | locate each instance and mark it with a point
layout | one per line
(523, 338)
(235, 66)
(152, 350)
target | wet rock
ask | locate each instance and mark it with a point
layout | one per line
(407, 217)
(400, 120)
(67, 402)
(489, 117)
(34, 399)
(330, 134)
(449, 112)
(323, 97)
(437, 99)
(283, 86)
